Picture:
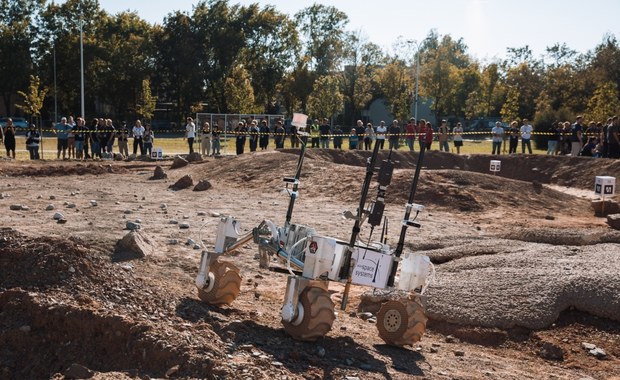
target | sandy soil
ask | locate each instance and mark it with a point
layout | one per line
(67, 297)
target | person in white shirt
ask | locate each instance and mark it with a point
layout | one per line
(190, 129)
(526, 135)
(458, 137)
(498, 137)
(380, 134)
(138, 134)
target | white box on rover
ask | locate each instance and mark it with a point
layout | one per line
(227, 233)
(372, 266)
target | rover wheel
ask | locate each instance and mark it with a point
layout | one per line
(315, 315)
(226, 287)
(401, 324)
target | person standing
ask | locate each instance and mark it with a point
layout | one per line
(215, 139)
(240, 132)
(576, 137)
(62, 130)
(458, 137)
(381, 131)
(94, 139)
(147, 140)
(498, 137)
(122, 136)
(394, 135)
(514, 138)
(9, 138)
(526, 136)
(552, 141)
(613, 139)
(443, 136)
(138, 134)
(421, 130)
(315, 133)
(205, 139)
(338, 137)
(279, 135)
(410, 133)
(79, 137)
(369, 136)
(71, 138)
(32, 142)
(263, 141)
(325, 131)
(353, 139)
(190, 133)
(110, 136)
(254, 134)
(428, 138)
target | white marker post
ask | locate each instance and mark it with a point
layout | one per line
(604, 186)
(496, 166)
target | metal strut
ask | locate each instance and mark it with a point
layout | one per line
(347, 268)
(295, 182)
(406, 222)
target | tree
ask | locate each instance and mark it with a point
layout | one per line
(326, 99)
(323, 29)
(33, 99)
(145, 106)
(396, 87)
(239, 92)
(603, 103)
(510, 109)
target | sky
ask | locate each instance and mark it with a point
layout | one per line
(487, 27)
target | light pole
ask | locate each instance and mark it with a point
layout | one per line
(417, 74)
(81, 65)
(54, 54)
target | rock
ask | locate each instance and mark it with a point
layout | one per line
(139, 221)
(614, 221)
(588, 346)
(215, 214)
(450, 339)
(194, 157)
(173, 221)
(71, 205)
(49, 208)
(61, 221)
(202, 185)
(365, 315)
(93, 203)
(132, 226)
(71, 270)
(201, 213)
(179, 162)
(434, 350)
(52, 197)
(73, 194)
(58, 216)
(459, 353)
(320, 351)
(190, 242)
(25, 328)
(197, 246)
(159, 173)
(16, 207)
(551, 351)
(372, 320)
(127, 211)
(604, 208)
(598, 353)
(183, 183)
(2, 195)
(118, 157)
(173, 242)
(134, 245)
(185, 216)
(132, 157)
(184, 225)
(25, 208)
(78, 371)
(172, 371)
(163, 206)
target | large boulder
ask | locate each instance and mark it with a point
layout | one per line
(183, 183)
(159, 173)
(603, 208)
(134, 245)
(202, 185)
(194, 157)
(614, 221)
(179, 162)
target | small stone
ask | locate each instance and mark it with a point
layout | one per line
(197, 246)
(201, 213)
(25, 328)
(173, 242)
(459, 353)
(93, 203)
(365, 316)
(117, 203)
(71, 205)
(25, 208)
(132, 226)
(163, 206)
(215, 214)
(173, 221)
(450, 339)
(372, 320)
(71, 270)
(140, 207)
(159, 173)
(58, 216)
(434, 350)
(172, 371)
(39, 196)
(73, 194)
(190, 242)
(185, 216)
(183, 183)
(49, 208)
(127, 211)
(128, 268)
(179, 162)
(549, 217)
(202, 185)
(551, 351)
(16, 207)
(184, 225)
(320, 351)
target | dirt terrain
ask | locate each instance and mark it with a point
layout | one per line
(525, 273)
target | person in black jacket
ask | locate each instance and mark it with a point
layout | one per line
(32, 142)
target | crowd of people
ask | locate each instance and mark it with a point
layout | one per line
(77, 140)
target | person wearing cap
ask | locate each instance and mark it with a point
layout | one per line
(240, 132)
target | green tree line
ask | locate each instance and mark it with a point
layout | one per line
(227, 58)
